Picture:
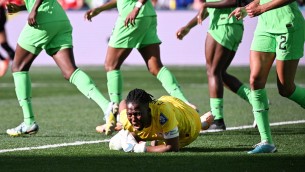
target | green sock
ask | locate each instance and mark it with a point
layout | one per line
(260, 111)
(115, 85)
(170, 84)
(23, 90)
(86, 85)
(244, 92)
(217, 107)
(298, 96)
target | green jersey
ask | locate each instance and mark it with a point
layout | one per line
(221, 16)
(126, 6)
(48, 11)
(281, 20)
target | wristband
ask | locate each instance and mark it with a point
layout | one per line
(139, 4)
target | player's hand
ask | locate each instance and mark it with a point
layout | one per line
(32, 18)
(12, 8)
(239, 13)
(132, 17)
(91, 13)
(201, 13)
(254, 9)
(182, 32)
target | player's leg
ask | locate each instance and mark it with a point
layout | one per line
(3, 38)
(114, 59)
(260, 64)
(4, 64)
(151, 56)
(20, 68)
(289, 50)
(216, 57)
(286, 71)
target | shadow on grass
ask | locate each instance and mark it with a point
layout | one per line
(153, 162)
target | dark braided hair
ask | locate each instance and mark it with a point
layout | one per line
(139, 96)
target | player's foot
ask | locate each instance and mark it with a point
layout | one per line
(23, 129)
(4, 64)
(110, 117)
(206, 120)
(263, 147)
(217, 125)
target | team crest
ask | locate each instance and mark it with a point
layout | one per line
(163, 119)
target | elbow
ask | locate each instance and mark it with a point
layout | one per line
(171, 148)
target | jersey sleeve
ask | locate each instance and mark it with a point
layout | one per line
(167, 118)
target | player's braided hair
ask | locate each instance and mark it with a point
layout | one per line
(139, 96)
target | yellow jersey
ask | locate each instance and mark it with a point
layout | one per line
(168, 113)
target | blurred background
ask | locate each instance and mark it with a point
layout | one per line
(90, 38)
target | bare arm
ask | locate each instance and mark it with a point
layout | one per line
(33, 13)
(254, 10)
(183, 31)
(172, 145)
(221, 4)
(95, 11)
(134, 13)
(14, 8)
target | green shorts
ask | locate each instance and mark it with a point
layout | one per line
(143, 33)
(52, 37)
(286, 46)
(228, 35)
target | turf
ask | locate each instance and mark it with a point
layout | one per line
(66, 116)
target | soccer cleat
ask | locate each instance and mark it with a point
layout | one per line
(217, 125)
(110, 117)
(263, 147)
(4, 64)
(23, 129)
(206, 120)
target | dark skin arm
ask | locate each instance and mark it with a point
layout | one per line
(219, 5)
(133, 14)
(172, 145)
(13, 8)
(95, 11)
(33, 13)
(254, 9)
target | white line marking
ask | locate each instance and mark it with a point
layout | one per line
(77, 143)
(250, 126)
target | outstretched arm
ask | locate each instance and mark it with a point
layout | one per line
(95, 11)
(254, 9)
(14, 8)
(183, 31)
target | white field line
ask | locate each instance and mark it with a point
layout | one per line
(251, 126)
(77, 143)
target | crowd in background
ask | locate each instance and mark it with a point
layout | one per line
(159, 4)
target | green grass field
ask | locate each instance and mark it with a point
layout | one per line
(66, 117)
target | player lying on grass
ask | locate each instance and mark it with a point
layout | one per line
(167, 122)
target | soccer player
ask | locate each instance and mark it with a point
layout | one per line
(223, 38)
(280, 36)
(168, 122)
(48, 28)
(4, 62)
(136, 27)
